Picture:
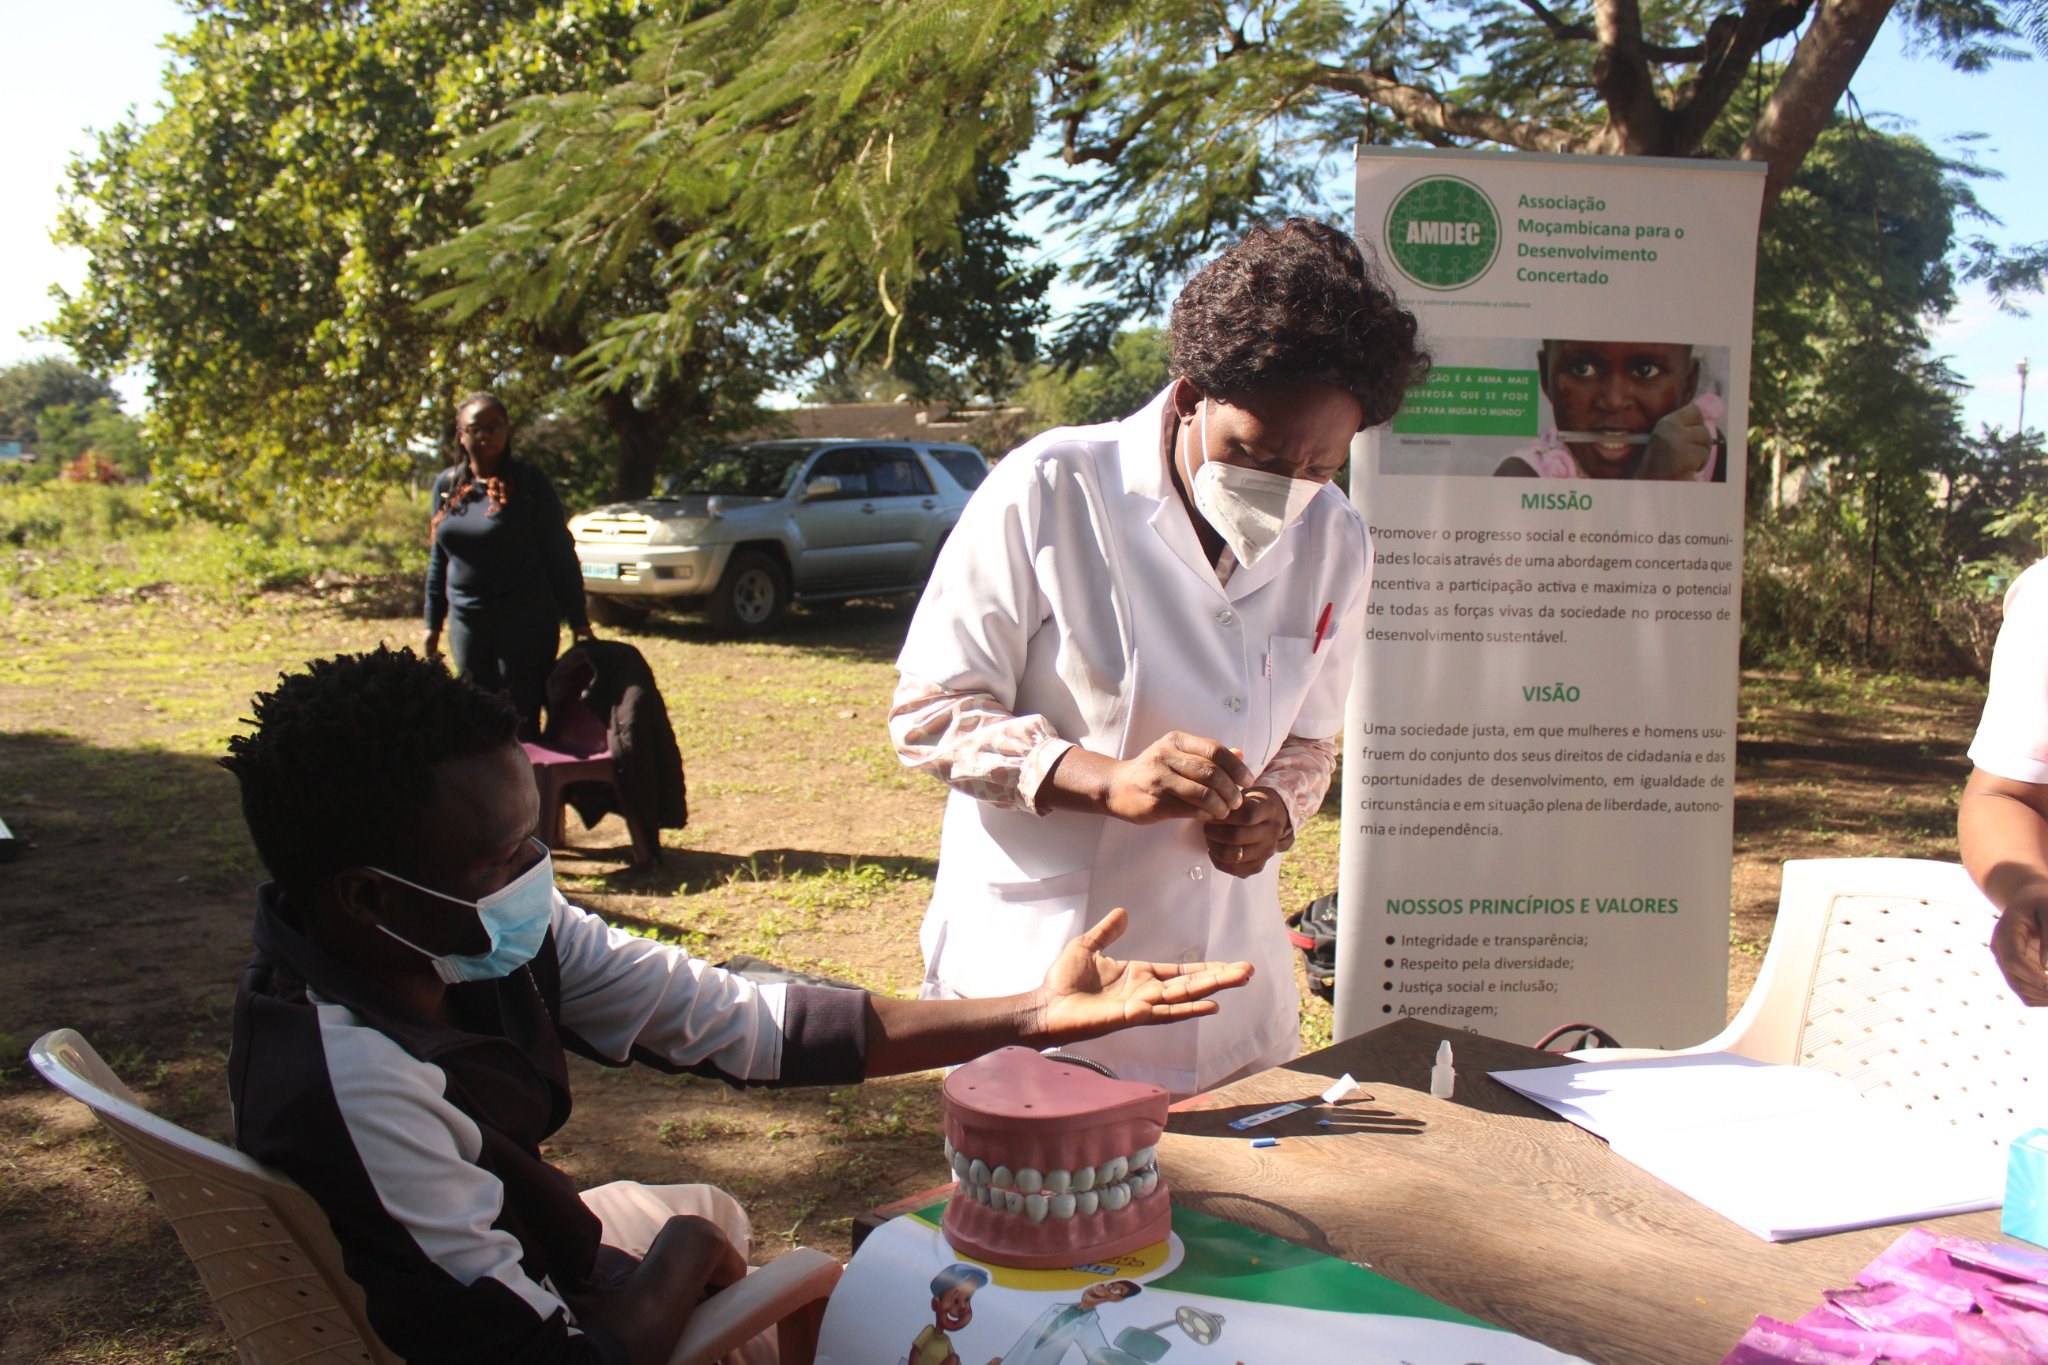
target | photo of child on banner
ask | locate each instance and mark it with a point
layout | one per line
(1558, 408)
(1624, 410)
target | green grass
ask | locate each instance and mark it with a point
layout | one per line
(72, 542)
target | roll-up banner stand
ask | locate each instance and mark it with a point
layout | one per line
(1540, 750)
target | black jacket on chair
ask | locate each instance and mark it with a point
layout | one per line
(614, 680)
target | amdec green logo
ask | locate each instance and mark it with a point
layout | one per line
(1442, 232)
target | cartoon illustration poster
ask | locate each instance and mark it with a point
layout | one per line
(1538, 799)
(1212, 1294)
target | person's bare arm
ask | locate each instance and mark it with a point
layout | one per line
(1084, 995)
(2002, 826)
(688, 1261)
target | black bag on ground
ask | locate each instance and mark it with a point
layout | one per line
(1313, 930)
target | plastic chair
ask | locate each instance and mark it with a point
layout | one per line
(1880, 971)
(274, 1271)
(579, 750)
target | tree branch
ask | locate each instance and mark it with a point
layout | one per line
(1571, 33)
(1636, 119)
(1821, 67)
(1733, 43)
(1427, 114)
(1074, 152)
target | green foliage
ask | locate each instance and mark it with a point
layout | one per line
(748, 171)
(1875, 518)
(29, 388)
(1113, 386)
(264, 245)
(252, 245)
(64, 541)
(69, 430)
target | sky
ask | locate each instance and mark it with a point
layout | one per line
(51, 97)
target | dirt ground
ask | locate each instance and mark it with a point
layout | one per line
(126, 915)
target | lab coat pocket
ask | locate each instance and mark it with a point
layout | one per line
(999, 938)
(1290, 670)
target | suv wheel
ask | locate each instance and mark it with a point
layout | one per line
(611, 611)
(753, 596)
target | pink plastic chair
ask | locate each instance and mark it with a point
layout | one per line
(579, 751)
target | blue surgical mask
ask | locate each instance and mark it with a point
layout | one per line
(517, 915)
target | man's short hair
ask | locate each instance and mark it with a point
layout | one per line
(340, 767)
(953, 1276)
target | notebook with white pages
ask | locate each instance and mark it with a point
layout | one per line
(1784, 1151)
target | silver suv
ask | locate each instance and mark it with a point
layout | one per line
(744, 531)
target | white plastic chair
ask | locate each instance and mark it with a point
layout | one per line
(1880, 971)
(271, 1265)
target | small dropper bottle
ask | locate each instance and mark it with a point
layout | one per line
(1441, 1076)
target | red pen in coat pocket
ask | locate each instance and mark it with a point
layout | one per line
(1322, 627)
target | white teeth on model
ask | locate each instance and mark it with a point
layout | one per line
(1058, 1193)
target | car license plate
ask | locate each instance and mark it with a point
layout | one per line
(600, 571)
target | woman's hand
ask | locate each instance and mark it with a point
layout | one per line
(432, 646)
(1178, 777)
(1243, 842)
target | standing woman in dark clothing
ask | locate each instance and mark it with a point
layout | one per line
(502, 573)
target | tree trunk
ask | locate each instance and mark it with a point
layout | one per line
(1821, 67)
(643, 436)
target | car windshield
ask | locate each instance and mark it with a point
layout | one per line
(745, 471)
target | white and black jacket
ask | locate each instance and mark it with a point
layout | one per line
(421, 1140)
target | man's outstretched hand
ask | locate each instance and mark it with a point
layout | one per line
(1087, 994)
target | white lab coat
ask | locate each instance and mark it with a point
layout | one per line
(1074, 587)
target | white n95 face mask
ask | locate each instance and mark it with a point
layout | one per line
(1249, 508)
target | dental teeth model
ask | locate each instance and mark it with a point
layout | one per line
(1057, 1164)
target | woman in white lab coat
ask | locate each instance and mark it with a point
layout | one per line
(1132, 660)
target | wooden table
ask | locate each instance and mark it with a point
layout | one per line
(1494, 1205)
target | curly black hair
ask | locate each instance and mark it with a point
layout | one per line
(341, 764)
(1297, 304)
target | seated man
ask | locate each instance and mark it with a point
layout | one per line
(399, 1034)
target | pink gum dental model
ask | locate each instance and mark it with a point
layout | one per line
(1057, 1164)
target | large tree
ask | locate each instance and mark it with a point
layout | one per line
(250, 245)
(30, 388)
(258, 247)
(839, 139)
